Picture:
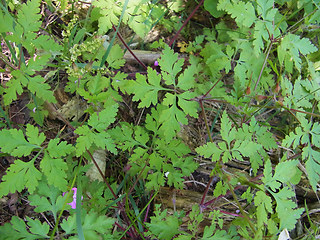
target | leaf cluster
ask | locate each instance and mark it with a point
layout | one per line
(250, 53)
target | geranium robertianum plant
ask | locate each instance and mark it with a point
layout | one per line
(258, 61)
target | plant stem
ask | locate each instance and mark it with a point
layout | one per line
(205, 121)
(3, 58)
(206, 191)
(128, 48)
(245, 215)
(263, 66)
(184, 24)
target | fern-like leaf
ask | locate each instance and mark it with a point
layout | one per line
(13, 141)
(93, 225)
(55, 171)
(48, 199)
(88, 138)
(109, 11)
(243, 13)
(285, 173)
(307, 135)
(170, 65)
(58, 149)
(146, 90)
(290, 48)
(20, 175)
(18, 229)
(163, 226)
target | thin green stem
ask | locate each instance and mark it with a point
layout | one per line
(5, 117)
(6, 61)
(263, 66)
(206, 121)
(65, 201)
(245, 215)
(129, 227)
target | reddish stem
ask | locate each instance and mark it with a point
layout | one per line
(147, 210)
(231, 214)
(205, 205)
(185, 23)
(128, 48)
(206, 191)
(122, 210)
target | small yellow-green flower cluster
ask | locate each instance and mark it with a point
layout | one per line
(67, 32)
(86, 49)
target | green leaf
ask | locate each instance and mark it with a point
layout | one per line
(28, 23)
(221, 234)
(295, 96)
(93, 225)
(210, 149)
(211, 7)
(252, 141)
(264, 207)
(14, 87)
(220, 189)
(170, 65)
(128, 136)
(186, 103)
(294, 138)
(115, 57)
(145, 90)
(171, 119)
(243, 13)
(38, 228)
(290, 49)
(186, 79)
(36, 64)
(97, 84)
(29, 16)
(163, 226)
(101, 120)
(17, 229)
(36, 85)
(173, 149)
(312, 166)
(266, 9)
(155, 181)
(49, 45)
(287, 209)
(109, 12)
(55, 171)
(285, 173)
(6, 18)
(49, 198)
(156, 161)
(215, 58)
(37, 111)
(13, 141)
(85, 140)
(136, 16)
(20, 175)
(307, 135)
(41, 89)
(88, 138)
(56, 149)
(226, 133)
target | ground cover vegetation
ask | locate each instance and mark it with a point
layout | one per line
(160, 119)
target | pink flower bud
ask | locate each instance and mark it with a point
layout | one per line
(73, 204)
